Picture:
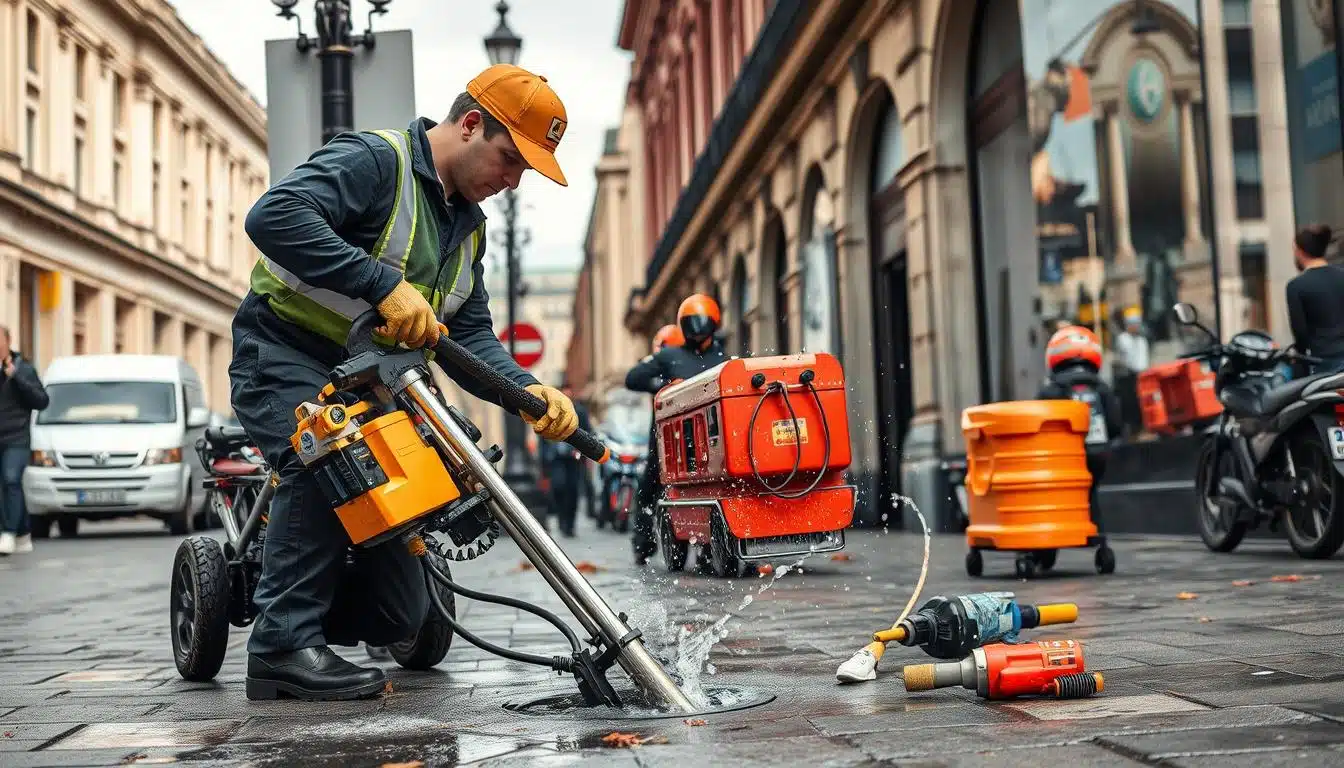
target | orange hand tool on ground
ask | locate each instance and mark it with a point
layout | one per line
(1002, 671)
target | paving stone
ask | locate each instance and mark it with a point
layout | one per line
(1281, 694)
(1319, 666)
(813, 750)
(64, 713)
(1076, 755)
(99, 758)
(1157, 746)
(1146, 652)
(1329, 709)
(955, 713)
(148, 734)
(13, 696)
(1318, 628)
(1103, 706)
(1291, 757)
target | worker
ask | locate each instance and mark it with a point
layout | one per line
(388, 220)
(565, 471)
(1073, 357)
(698, 321)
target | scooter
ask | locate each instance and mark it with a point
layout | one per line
(1276, 453)
(620, 483)
(399, 465)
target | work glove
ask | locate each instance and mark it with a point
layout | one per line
(560, 419)
(409, 318)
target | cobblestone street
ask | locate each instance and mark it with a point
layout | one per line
(1201, 667)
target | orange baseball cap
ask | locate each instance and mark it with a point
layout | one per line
(529, 108)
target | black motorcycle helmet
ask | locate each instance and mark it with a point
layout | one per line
(698, 317)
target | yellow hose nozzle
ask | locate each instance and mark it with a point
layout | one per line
(893, 635)
(1057, 613)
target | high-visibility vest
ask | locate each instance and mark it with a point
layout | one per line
(409, 243)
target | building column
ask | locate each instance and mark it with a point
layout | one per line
(1195, 243)
(195, 244)
(1222, 178)
(101, 327)
(697, 88)
(11, 74)
(1125, 264)
(711, 11)
(169, 341)
(140, 194)
(102, 147)
(1276, 175)
(9, 286)
(58, 101)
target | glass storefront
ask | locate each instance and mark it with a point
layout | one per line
(1092, 185)
(1311, 33)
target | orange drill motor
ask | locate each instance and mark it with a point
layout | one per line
(1004, 671)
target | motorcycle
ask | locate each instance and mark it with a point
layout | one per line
(620, 480)
(1276, 452)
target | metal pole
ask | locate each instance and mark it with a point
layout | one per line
(336, 53)
(550, 560)
(515, 460)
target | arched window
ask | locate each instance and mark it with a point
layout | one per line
(819, 310)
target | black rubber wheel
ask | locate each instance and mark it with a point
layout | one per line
(1218, 533)
(69, 526)
(975, 563)
(183, 522)
(1024, 566)
(674, 551)
(430, 645)
(1045, 559)
(41, 526)
(1316, 529)
(1105, 560)
(723, 559)
(199, 608)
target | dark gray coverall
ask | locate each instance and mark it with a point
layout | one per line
(320, 222)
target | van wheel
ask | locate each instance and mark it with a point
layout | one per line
(69, 526)
(41, 526)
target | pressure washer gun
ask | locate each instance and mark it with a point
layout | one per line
(951, 627)
(1052, 668)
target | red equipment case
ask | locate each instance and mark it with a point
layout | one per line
(1177, 394)
(710, 426)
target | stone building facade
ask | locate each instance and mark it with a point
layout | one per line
(928, 188)
(129, 157)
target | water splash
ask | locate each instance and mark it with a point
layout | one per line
(693, 649)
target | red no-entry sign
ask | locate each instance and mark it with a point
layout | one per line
(528, 345)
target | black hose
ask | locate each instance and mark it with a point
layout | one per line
(510, 602)
(797, 431)
(432, 574)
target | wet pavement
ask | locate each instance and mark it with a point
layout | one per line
(1201, 667)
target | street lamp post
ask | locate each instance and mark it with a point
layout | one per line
(503, 47)
(335, 47)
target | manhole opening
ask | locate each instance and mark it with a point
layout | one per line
(637, 707)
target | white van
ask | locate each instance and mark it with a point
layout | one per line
(117, 440)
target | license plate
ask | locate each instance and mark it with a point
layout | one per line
(1337, 442)
(795, 544)
(100, 497)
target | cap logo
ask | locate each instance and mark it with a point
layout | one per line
(557, 130)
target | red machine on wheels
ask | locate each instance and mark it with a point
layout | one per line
(754, 453)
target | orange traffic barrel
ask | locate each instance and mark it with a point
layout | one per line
(1026, 475)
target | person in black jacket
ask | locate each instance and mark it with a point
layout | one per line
(1073, 357)
(21, 393)
(1315, 311)
(563, 467)
(698, 318)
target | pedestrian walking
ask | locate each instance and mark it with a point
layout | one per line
(21, 393)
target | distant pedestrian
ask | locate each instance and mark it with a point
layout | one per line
(1315, 311)
(21, 393)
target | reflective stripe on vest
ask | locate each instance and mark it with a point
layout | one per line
(465, 279)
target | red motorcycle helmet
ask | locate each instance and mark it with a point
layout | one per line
(1073, 344)
(699, 318)
(668, 335)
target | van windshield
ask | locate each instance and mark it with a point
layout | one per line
(110, 402)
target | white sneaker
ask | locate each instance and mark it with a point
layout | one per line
(23, 543)
(7, 541)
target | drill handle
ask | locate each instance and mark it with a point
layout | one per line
(1045, 615)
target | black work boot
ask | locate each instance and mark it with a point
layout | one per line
(315, 674)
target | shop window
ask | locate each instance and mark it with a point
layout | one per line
(1112, 218)
(819, 305)
(34, 38)
(741, 306)
(782, 308)
(1311, 72)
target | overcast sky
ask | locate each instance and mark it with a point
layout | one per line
(572, 44)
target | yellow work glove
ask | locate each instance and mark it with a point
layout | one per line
(560, 419)
(409, 318)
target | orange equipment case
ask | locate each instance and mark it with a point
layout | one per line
(1177, 394)
(709, 426)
